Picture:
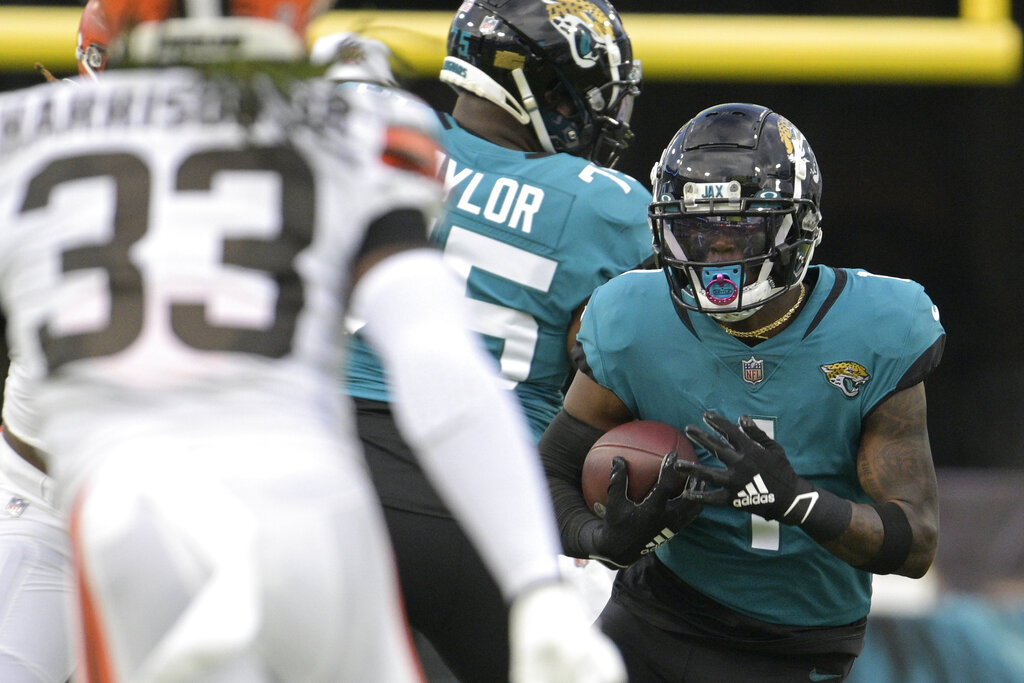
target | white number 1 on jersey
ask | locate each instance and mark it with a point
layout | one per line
(764, 533)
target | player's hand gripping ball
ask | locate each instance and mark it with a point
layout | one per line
(644, 445)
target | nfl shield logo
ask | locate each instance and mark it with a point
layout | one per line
(753, 370)
(488, 25)
(16, 506)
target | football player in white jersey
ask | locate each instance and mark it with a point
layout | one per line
(35, 556)
(177, 249)
(35, 553)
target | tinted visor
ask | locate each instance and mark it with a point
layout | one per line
(694, 238)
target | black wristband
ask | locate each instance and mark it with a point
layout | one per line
(563, 447)
(896, 540)
(827, 518)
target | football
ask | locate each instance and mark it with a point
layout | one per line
(644, 444)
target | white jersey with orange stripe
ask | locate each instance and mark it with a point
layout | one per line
(189, 235)
(175, 256)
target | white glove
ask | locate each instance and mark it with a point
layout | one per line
(553, 640)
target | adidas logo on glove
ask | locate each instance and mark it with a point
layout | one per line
(754, 493)
(653, 544)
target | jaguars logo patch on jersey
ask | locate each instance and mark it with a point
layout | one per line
(848, 376)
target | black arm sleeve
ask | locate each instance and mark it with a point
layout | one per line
(923, 366)
(402, 227)
(563, 447)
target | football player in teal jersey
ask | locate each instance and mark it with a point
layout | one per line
(536, 219)
(815, 469)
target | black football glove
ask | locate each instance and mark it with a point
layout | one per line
(759, 479)
(631, 530)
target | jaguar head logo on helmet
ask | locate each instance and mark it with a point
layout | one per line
(583, 25)
(735, 213)
(563, 67)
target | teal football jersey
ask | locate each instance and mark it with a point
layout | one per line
(859, 338)
(532, 234)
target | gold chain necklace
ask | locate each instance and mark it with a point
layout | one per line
(759, 333)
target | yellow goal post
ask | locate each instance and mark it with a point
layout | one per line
(980, 46)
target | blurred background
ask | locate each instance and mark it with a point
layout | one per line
(915, 112)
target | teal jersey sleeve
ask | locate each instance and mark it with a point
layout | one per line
(859, 339)
(532, 235)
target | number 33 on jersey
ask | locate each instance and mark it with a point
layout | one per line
(191, 234)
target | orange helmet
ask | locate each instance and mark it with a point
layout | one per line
(93, 39)
(121, 16)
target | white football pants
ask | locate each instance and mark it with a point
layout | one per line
(260, 558)
(35, 577)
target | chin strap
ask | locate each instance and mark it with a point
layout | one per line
(464, 75)
(530, 103)
(758, 290)
(735, 316)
